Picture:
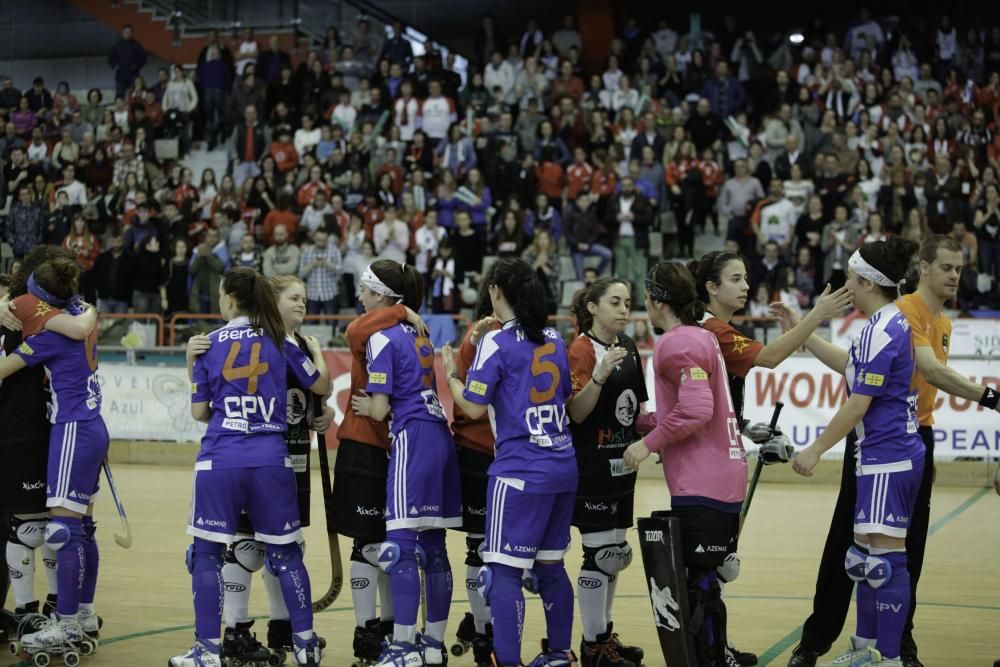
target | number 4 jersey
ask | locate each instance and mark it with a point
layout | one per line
(526, 386)
(244, 376)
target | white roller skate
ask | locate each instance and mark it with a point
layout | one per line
(91, 624)
(202, 654)
(400, 654)
(62, 637)
(308, 651)
(858, 654)
(26, 621)
(433, 651)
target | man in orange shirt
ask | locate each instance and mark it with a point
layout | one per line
(281, 215)
(578, 175)
(941, 263)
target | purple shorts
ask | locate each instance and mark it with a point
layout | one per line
(522, 526)
(886, 494)
(76, 452)
(268, 494)
(423, 488)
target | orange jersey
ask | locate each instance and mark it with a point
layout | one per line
(474, 434)
(926, 330)
(739, 352)
(577, 179)
(33, 313)
(355, 427)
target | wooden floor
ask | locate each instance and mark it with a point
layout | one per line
(144, 593)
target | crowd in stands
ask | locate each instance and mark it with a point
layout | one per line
(791, 153)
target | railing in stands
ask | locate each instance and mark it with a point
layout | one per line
(216, 317)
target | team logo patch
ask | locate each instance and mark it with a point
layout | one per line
(478, 388)
(944, 343)
(24, 348)
(308, 366)
(626, 407)
(194, 387)
(874, 379)
(377, 378)
(698, 374)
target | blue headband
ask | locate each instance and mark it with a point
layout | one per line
(40, 292)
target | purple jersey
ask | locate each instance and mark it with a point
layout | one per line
(243, 374)
(881, 366)
(526, 386)
(71, 367)
(401, 364)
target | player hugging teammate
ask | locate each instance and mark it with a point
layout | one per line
(239, 387)
(77, 445)
(608, 390)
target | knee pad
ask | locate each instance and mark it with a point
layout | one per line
(878, 570)
(497, 579)
(283, 558)
(204, 551)
(388, 556)
(59, 534)
(246, 552)
(484, 582)
(29, 532)
(730, 568)
(366, 552)
(855, 563)
(474, 547)
(434, 560)
(89, 529)
(609, 558)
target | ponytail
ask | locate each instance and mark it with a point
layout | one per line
(403, 279)
(709, 269)
(672, 284)
(254, 295)
(58, 278)
(525, 293)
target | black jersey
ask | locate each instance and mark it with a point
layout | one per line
(601, 439)
(24, 399)
(302, 406)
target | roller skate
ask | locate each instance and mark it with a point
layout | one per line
(49, 607)
(279, 640)
(368, 643)
(240, 647)
(202, 654)
(433, 651)
(857, 655)
(308, 651)
(26, 621)
(602, 653)
(549, 658)
(633, 654)
(400, 654)
(482, 647)
(743, 658)
(91, 624)
(63, 637)
(465, 635)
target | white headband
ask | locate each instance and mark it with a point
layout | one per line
(867, 271)
(372, 282)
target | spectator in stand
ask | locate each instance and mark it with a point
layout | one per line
(281, 257)
(839, 241)
(180, 99)
(113, 271)
(320, 268)
(249, 142)
(149, 278)
(583, 230)
(250, 254)
(391, 237)
(774, 221)
(738, 195)
(177, 278)
(438, 113)
(127, 58)
(206, 270)
(314, 215)
(629, 217)
(215, 78)
(24, 225)
(456, 153)
(39, 99)
(10, 97)
(86, 248)
(270, 62)
(764, 270)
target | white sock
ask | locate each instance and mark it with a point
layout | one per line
(236, 601)
(404, 633)
(275, 600)
(364, 586)
(436, 629)
(387, 612)
(592, 593)
(49, 559)
(480, 610)
(21, 563)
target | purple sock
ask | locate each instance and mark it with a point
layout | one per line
(507, 604)
(438, 574)
(556, 592)
(867, 626)
(284, 561)
(205, 565)
(892, 600)
(70, 559)
(404, 575)
(92, 559)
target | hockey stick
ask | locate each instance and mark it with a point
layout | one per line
(124, 541)
(336, 567)
(758, 468)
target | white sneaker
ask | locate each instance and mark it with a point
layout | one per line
(65, 633)
(202, 654)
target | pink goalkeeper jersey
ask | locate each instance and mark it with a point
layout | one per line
(694, 427)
